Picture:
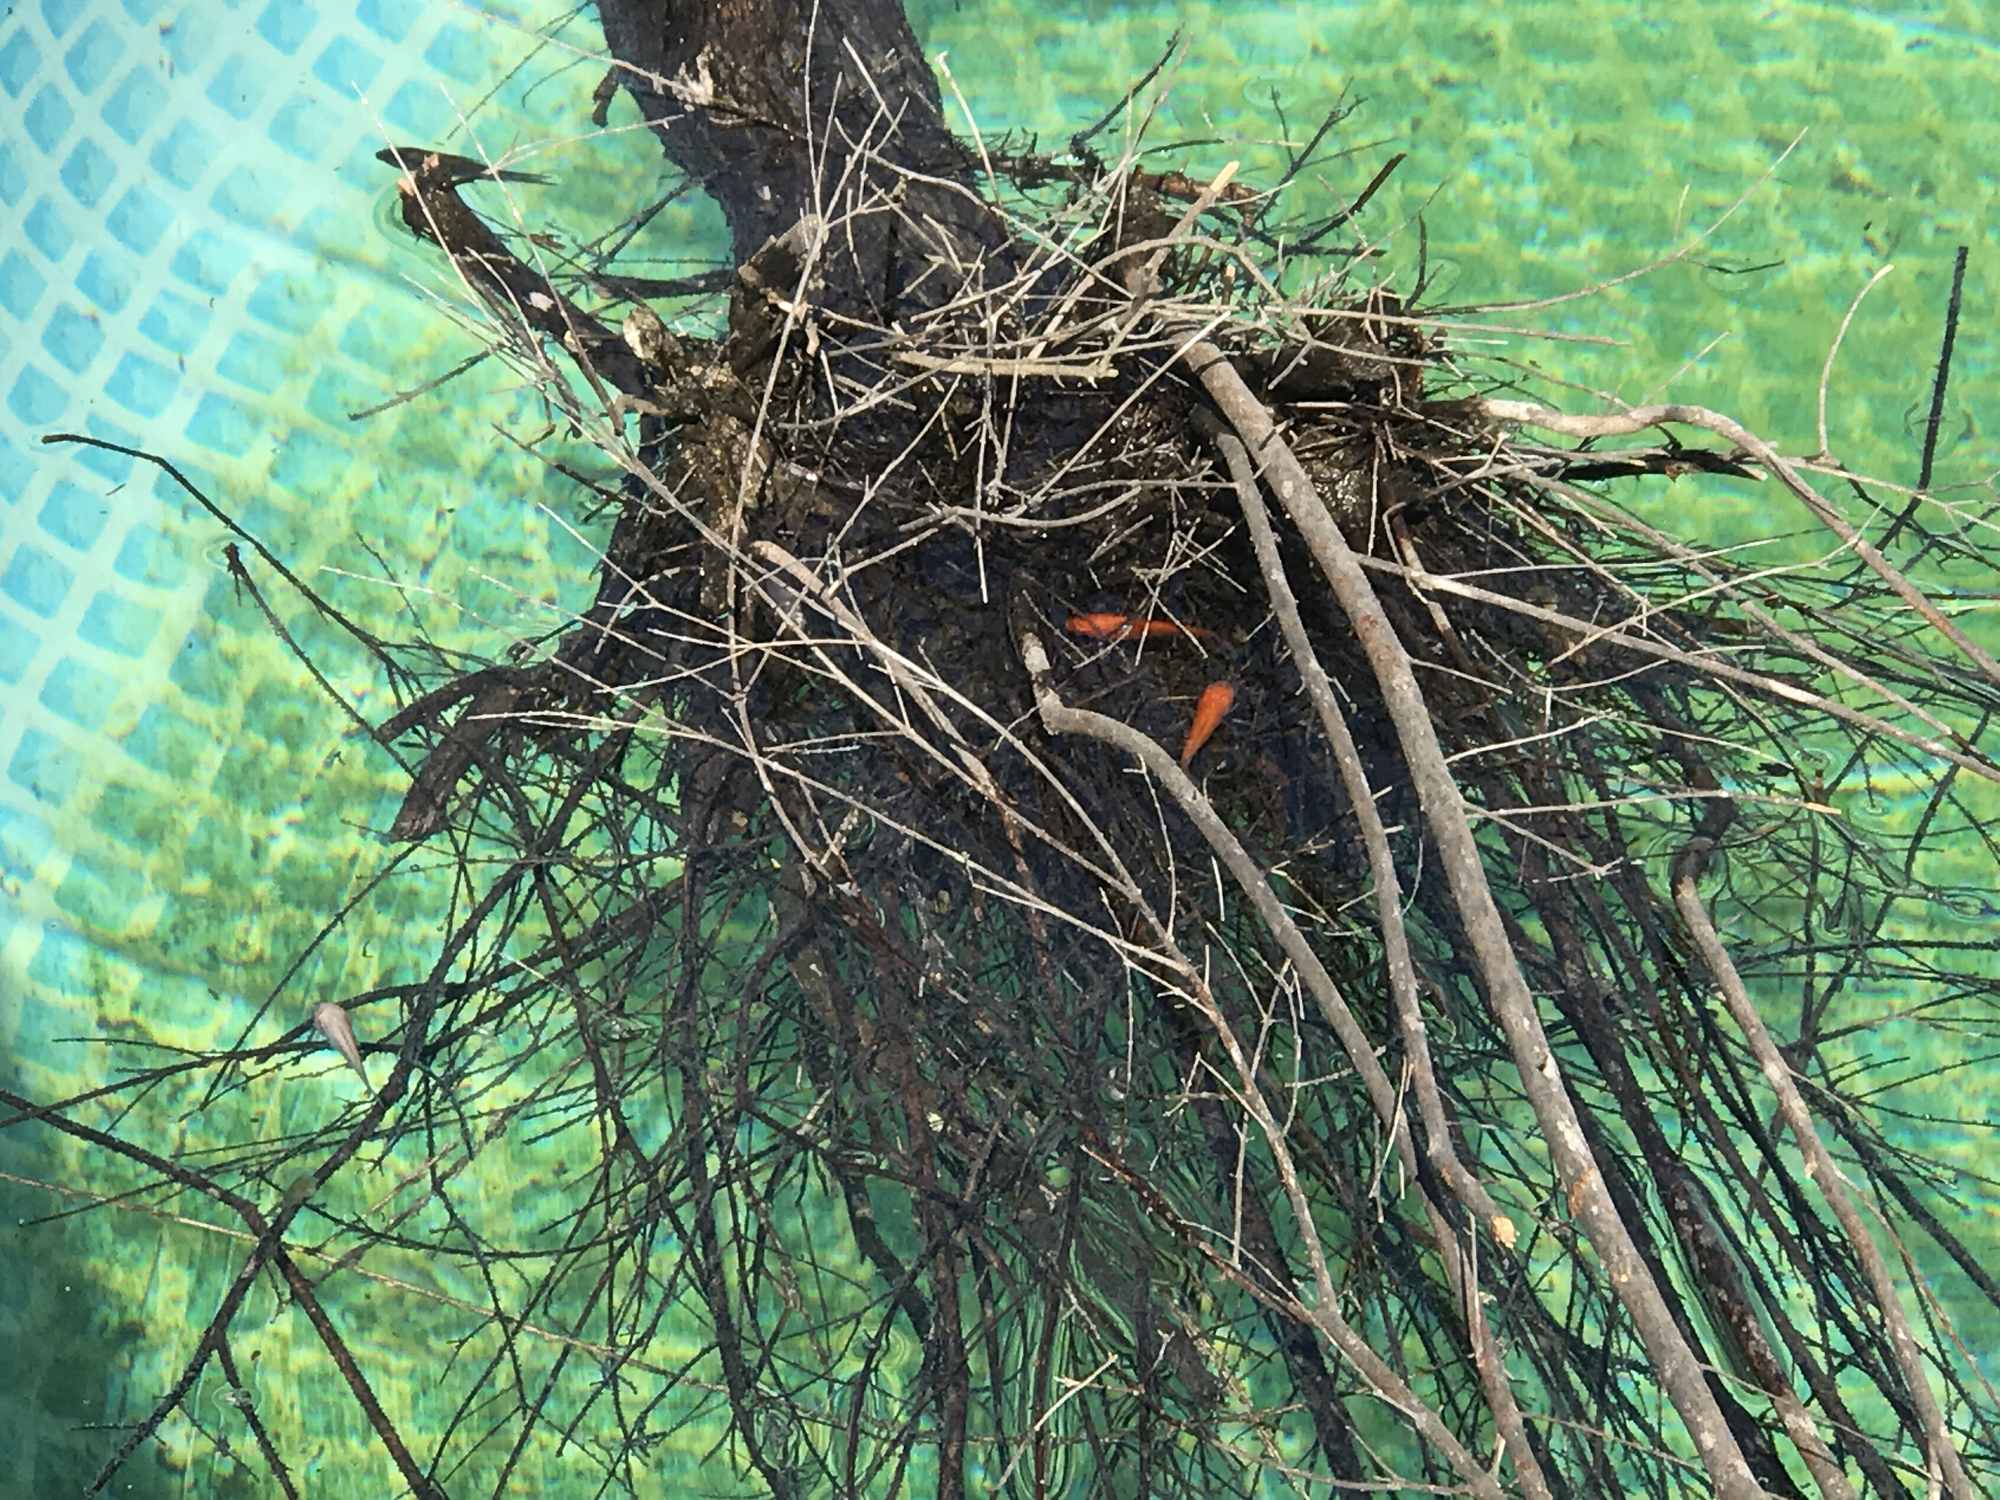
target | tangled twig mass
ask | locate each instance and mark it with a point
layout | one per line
(1130, 884)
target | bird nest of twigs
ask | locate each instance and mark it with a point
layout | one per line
(1151, 753)
(1123, 784)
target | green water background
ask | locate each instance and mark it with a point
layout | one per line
(178, 823)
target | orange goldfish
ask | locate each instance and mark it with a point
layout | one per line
(1214, 702)
(1107, 626)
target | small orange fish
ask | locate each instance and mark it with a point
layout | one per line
(1214, 702)
(1108, 626)
(336, 1028)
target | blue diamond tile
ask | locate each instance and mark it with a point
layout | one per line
(456, 53)
(287, 303)
(371, 335)
(307, 462)
(285, 24)
(74, 516)
(140, 386)
(251, 192)
(21, 285)
(335, 393)
(346, 66)
(238, 85)
(48, 229)
(389, 19)
(209, 261)
(44, 767)
(89, 173)
(13, 175)
(300, 127)
(222, 426)
(16, 469)
(79, 693)
(260, 515)
(93, 57)
(17, 654)
(19, 59)
(187, 48)
(72, 337)
(138, 219)
(416, 112)
(166, 742)
(136, 104)
(119, 624)
(36, 581)
(205, 677)
(105, 280)
(151, 558)
(174, 322)
(25, 841)
(59, 15)
(36, 400)
(253, 360)
(184, 155)
(47, 118)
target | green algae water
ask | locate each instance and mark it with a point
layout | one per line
(199, 258)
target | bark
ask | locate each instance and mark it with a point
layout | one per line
(783, 108)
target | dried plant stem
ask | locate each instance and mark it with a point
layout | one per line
(1625, 1268)
(1617, 424)
(1396, 954)
(1059, 719)
(1820, 1165)
(1762, 683)
(1819, 1459)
